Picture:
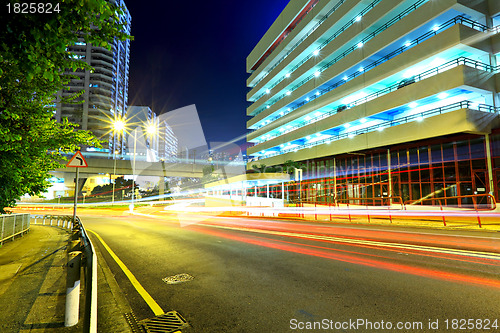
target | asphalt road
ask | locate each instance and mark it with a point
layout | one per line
(257, 275)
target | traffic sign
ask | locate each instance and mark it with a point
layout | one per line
(77, 161)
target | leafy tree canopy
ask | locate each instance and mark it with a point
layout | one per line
(33, 56)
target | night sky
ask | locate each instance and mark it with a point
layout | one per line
(194, 52)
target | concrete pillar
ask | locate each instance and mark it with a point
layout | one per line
(489, 165)
(390, 177)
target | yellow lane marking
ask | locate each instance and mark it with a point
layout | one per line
(479, 254)
(157, 310)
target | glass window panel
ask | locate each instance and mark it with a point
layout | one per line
(424, 155)
(464, 169)
(463, 150)
(436, 153)
(477, 148)
(448, 154)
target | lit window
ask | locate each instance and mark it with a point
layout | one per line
(268, 91)
(307, 99)
(361, 69)
(317, 73)
(307, 118)
(282, 145)
(317, 114)
(287, 75)
(308, 137)
(318, 134)
(360, 44)
(317, 93)
(358, 18)
(282, 129)
(267, 106)
(347, 125)
(407, 44)
(315, 52)
(413, 105)
(345, 78)
(380, 129)
(288, 93)
(435, 28)
(288, 109)
(362, 120)
(352, 135)
(420, 118)
(282, 113)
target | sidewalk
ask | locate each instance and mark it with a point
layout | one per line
(33, 286)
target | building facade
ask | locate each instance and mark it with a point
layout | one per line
(380, 100)
(103, 91)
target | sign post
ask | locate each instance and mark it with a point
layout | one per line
(77, 161)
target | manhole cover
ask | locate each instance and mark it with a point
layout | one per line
(167, 323)
(183, 277)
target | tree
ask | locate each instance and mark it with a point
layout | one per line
(33, 57)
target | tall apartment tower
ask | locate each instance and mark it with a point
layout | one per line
(381, 99)
(105, 90)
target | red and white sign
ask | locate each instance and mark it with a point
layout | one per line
(77, 161)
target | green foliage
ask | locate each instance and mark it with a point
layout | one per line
(33, 57)
(120, 183)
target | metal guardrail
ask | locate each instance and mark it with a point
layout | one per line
(89, 265)
(79, 242)
(13, 225)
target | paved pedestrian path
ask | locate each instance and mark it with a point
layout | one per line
(33, 286)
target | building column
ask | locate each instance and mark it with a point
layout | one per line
(334, 181)
(390, 176)
(489, 165)
(283, 193)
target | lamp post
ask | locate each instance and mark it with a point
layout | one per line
(114, 176)
(118, 127)
(131, 207)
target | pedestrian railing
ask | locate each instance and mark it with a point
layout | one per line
(13, 225)
(64, 221)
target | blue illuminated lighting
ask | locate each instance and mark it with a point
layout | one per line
(268, 91)
(346, 78)
(308, 137)
(442, 95)
(413, 105)
(287, 75)
(407, 44)
(360, 44)
(361, 69)
(307, 99)
(288, 93)
(362, 120)
(316, 52)
(358, 18)
(267, 106)
(435, 28)
(317, 73)
(347, 125)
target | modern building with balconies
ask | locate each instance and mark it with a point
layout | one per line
(382, 99)
(104, 91)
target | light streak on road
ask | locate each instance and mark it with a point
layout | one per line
(334, 254)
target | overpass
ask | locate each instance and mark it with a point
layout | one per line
(143, 168)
